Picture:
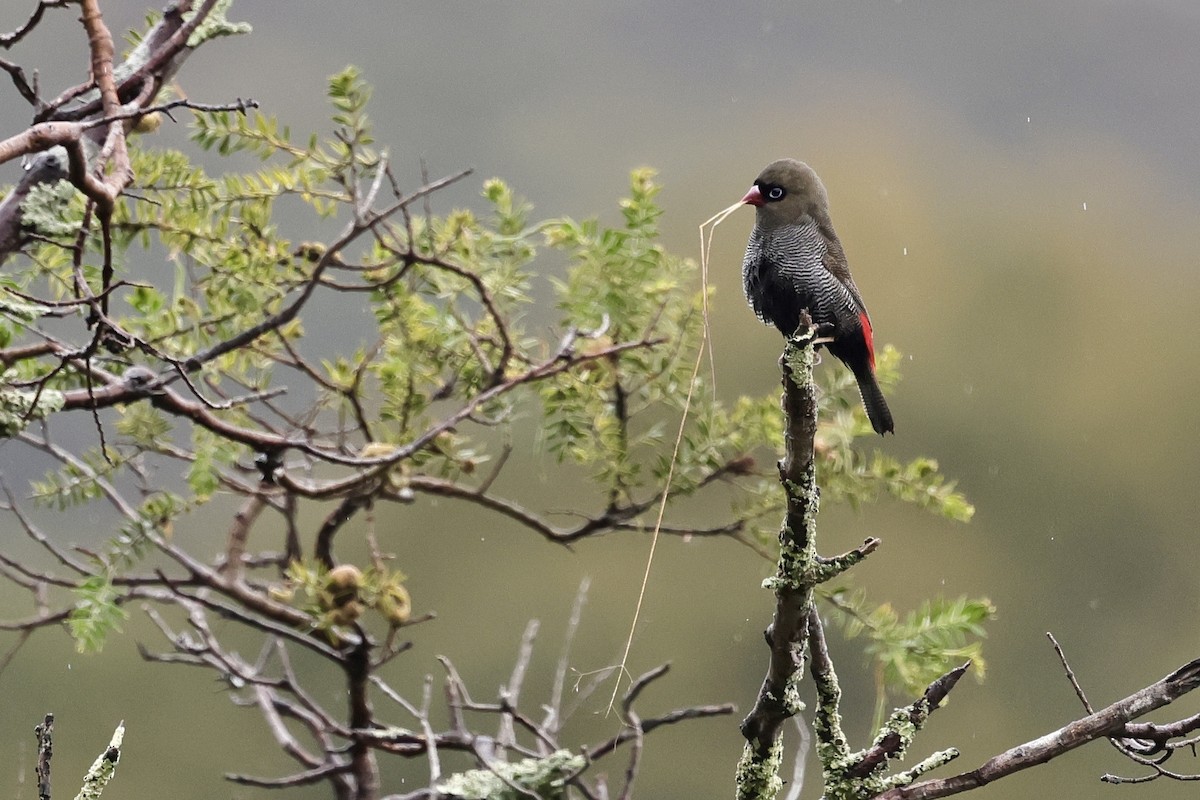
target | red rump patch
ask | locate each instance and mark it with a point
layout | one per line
(869, 336)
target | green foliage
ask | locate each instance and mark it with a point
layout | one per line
(446, 300)
(622, 287)
(211, 456)
(15, 315)
(19, 406)
(144, 425)
(53, 209)
(912, 651)
(95, 615)
(846, 474)
(79, 481)
(437, 342)
(17, 310)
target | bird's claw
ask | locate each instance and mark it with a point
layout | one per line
(823, 333)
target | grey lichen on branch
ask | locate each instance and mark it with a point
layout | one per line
(103, 768)
(215, 24)
(796, 630)
(799, 570)
(1112, 721)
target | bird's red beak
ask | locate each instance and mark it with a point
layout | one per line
(753, 197)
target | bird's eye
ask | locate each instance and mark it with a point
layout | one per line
(775, 193)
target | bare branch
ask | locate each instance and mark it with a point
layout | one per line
(9, 39)
(1109, 721)
(328, 258)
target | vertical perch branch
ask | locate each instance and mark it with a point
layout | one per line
(786, 634)
(800, 569)
(796, 634)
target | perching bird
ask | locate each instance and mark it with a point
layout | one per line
(794, 261)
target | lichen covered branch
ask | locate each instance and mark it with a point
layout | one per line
(797, 635)
(795, 627)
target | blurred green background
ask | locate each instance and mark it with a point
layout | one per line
(1018, 188)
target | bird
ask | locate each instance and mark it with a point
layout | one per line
(794, 260)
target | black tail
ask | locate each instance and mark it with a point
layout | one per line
(873, 402)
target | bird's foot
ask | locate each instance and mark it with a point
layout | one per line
(824, 334)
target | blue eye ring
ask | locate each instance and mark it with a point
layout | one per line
(776, 193)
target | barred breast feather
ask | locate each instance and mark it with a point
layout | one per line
(784, 271)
